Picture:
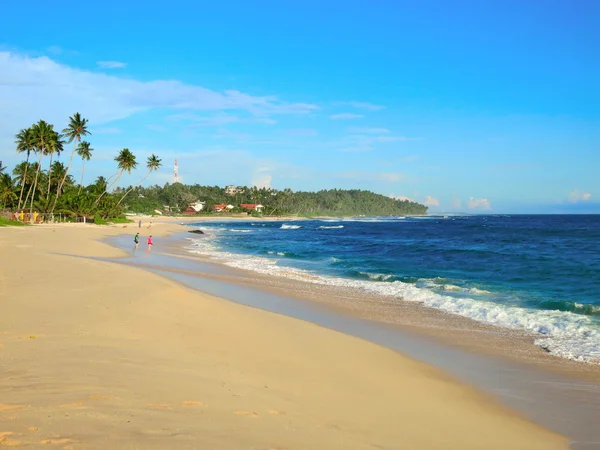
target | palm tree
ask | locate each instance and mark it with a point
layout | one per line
(43, 135)
(24, 141)
(56, 146)
(126, 163)
(76, 129)
(58, 177)
(85, 153)
(152, 163)
(7, 188)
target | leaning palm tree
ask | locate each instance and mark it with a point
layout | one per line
(56, 146)
(43, 136)
(24, 141)
(85, 153)
(76, 130)
(152, 163)
(126, 163)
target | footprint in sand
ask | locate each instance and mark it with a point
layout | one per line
(72, 405)
(192, 403)
(32, 428)
(6, 442)
(276, 412)
(11, 407)
(57, 441)
(246, 413)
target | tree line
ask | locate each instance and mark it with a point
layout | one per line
(176, 197)
(52, 189)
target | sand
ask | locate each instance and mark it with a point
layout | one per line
(98, 355)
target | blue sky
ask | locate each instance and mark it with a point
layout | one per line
(465, 105)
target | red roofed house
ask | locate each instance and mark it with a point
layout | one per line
(252, 206)
(219, 207)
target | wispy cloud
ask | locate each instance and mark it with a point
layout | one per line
(431, 201)
(368, 130)
(41, 87)
(362, 105)
(106, 130)
(346, 116)
(577, 196)
(301, 132)
(219, 120)
(479, 203)
(111, 64)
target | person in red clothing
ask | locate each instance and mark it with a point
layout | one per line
(150, 243)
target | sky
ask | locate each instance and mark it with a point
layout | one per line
(465, 106)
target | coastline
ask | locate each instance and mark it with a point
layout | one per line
(153, 324)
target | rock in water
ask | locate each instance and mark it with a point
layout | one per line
(196, 231)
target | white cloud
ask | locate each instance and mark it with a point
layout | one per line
(345, 116)
(111, 64)
(576, 196)
(431, 201)
(479, 203)
(262, 180)
(368, 130)
(363, 105)
(38, 87)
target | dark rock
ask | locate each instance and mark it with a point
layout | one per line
(196, 231)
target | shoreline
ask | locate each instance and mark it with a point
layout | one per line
(488, 339)
(191, 341)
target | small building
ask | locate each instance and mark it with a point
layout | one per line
(229, 207)
(231, 190)
(197, 206)
(252, 206)
(220, 207)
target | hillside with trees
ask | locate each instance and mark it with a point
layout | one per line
(176, 197)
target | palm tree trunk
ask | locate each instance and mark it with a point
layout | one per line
(132, 188)
(60, 185)
(82, 172)
(108, 187)
(23, 181)
(37, 173)
(49, 174)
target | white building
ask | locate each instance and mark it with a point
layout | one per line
(197, 206)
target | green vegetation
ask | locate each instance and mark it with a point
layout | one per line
(331, 203)
(52, 191)
(8, 223)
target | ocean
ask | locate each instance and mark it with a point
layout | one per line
(538, 273)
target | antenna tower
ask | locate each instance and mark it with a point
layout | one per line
(176, 172)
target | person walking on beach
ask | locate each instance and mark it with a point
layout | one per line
(140, 224)
(150, 243)
(136, 239)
